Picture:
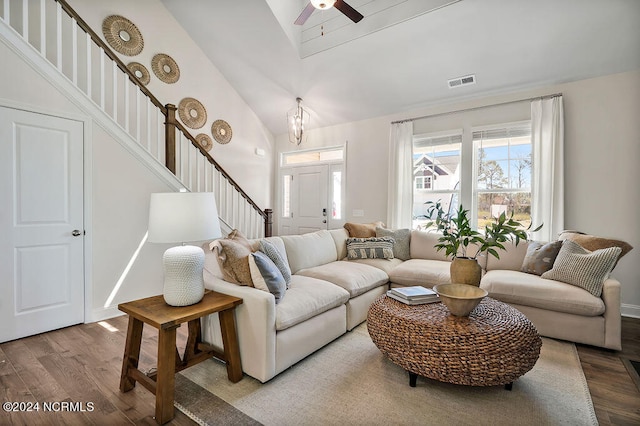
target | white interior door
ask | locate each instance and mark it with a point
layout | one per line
(41, 223)
(307, 200)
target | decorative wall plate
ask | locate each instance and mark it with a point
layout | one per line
(192, 113)
(122, 35)
(140, 71)
(165, 68)
(221, 131)
(204, 141)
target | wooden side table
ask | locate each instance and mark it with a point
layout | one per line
(155, 312)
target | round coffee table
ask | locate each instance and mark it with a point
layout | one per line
(494, 345)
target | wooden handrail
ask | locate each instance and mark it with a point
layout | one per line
(97, 40)
(219, 168)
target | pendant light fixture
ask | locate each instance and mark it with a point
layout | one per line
(297, 119)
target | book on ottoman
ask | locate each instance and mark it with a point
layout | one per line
(414, 295)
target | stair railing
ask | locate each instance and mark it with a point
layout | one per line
(81, 56)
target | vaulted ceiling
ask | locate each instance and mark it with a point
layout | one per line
(401, 55)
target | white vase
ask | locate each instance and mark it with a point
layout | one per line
(183, 283)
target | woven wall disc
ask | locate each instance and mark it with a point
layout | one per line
(221, 131)
(205, 141)
(140, 71)
(165, 68)
(192, 113)
(122, 35)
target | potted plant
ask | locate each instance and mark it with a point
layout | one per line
(459, 238)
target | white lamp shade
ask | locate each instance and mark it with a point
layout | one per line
(179, 217)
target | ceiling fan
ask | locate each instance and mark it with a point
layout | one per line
(342, 6)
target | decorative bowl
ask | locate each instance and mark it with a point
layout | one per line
(460, 299)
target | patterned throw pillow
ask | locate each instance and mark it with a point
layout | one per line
(271, 275)
(235, 265)
(370, 248)
(583, 268)
(402, 239)
(540, 257)
(272, 252)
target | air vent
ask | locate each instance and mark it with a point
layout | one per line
(462, 81)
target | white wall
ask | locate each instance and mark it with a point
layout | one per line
(199, 79)
(118, 186)
(602, 150)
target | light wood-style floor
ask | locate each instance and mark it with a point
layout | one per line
(82, 364)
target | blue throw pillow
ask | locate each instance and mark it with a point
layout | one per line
(271, 274)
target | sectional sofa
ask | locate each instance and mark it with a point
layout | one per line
(329, 295)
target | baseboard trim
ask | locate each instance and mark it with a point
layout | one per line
(632, 311)
(102, 314)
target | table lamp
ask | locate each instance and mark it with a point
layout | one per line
(180, 217)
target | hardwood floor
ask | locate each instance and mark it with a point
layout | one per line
(81, 364)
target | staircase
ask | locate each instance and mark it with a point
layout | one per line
(51, 35)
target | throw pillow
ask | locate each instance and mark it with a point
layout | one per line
(540, 257)
(402, 239)
(256, 276)
(235, 258)
(272, 252)
(271, 274)
(370, 248)
(591, 242)
(363, 230)
(583, 268)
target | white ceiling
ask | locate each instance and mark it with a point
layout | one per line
(400, 56)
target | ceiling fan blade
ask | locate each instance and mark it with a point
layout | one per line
(306, 12)
(349, 12)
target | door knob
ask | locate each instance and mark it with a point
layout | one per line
(76, 233)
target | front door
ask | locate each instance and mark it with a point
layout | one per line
(41, 223)
(306, 199)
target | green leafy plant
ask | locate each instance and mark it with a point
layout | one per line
(458, 234)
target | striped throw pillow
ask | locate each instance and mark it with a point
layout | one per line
(370, 248)
(583, 268)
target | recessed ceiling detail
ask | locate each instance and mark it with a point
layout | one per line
(326, 29)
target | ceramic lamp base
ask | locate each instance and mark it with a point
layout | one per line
(183, 283)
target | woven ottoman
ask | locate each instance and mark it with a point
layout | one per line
(494, 345)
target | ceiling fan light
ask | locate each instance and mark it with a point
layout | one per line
(323, 4)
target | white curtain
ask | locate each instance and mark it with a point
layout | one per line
(547, 188)
(400, 191)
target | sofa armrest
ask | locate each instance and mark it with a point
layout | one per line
(612, 316)
(255, 325)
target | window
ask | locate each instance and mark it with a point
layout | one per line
(316, 156)
(503, 166)
(436, 171)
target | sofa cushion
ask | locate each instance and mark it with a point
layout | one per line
(356, 278)
(402, 244)
(306, 298)
(422, 246)
(309, 250)
(386, 265)
(531, 290)
(422, 272)
(511, 258)
(583, 268)
(540, 257)
(362, 230)
(340, 236)
(370, 248)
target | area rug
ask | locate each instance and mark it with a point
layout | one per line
(351, 382)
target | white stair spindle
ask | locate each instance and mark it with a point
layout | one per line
(74, 52)
(59, 36)
(43, 27)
